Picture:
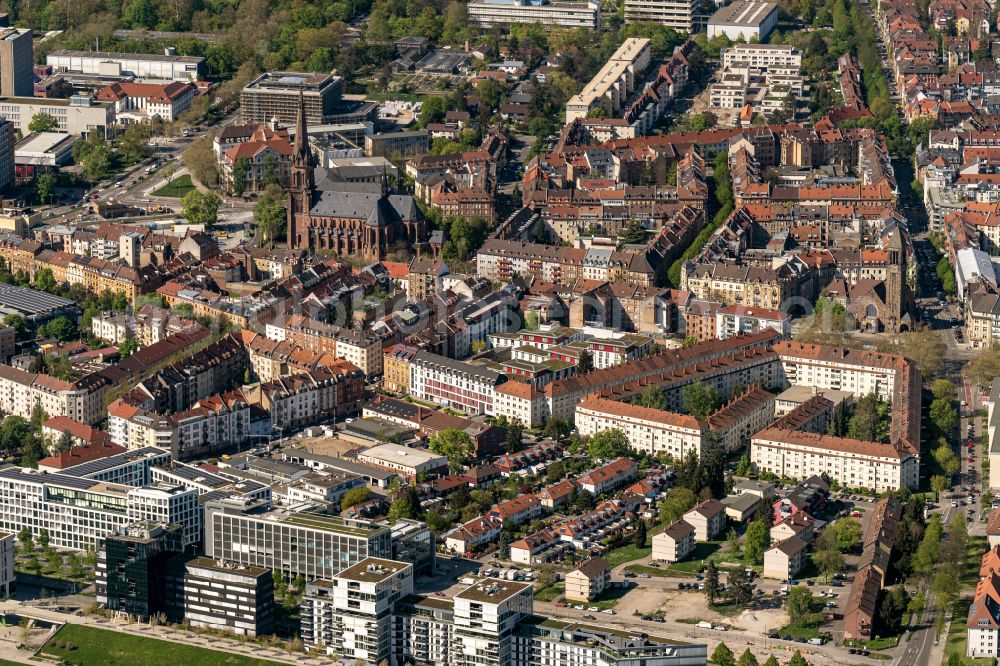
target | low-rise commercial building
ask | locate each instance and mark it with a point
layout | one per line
(744, 20)
(139, 65)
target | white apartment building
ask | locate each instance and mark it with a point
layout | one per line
(992, 420)
(75, 512)
(111, 327)
(761, 56)
(615, 82)
(650, 430)
(20, 391)
(852, 463)
(674, 543)
(676, 14)
(8, 551)
(455, 384)
(857, 371)
(493, 13)
(486, 616)
(738, 319)
(168, 504)
(350, 615)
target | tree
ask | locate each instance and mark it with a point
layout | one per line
(700, 400)
(18, 323)
(140, 14)
(946, 460)
(503, 545)
(43, 538)
(798, 660)
(64, 443)
(45, 185)
(586, 362)
(199, 207)
(652, 397)
(454, 444)
(678, 501)
(355, 496)
(944, 415)
(929, 550)
(640, 534)
(848, 533)
(745, 466)
(799, 605)
(26, 539)
(723, 656)
(741, 587)
(942, 389)
(829, 561)
(771, 661)
(133, 143)
(608, 444)
(127, 348)
(747, 659)
(432, 110)
(895, 601)
(939, 484)
(74, 565)
(869, 421)
(405, 504)
(43, 122)
(270, 214)
(238, 184)
(515, 433)
(531, 321)
(199, 159)
(756, 541)
(711, 582)
(733, 543)
(61, 328)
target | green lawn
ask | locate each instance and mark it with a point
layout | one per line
(883, 643)
(178, 187)
(958, 638)
(626, 553)
(100, 647)
(696, 560)
(652, 571)
(974, 549)
(550, 593)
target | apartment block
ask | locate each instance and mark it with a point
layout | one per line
(8, 552)
(676, 14)
(493, 13)
(674, 543)
(456, 384)
(169, 504)
(589, 580)
(615, 82)
(350, 614)
(234, 598)
(309, 544)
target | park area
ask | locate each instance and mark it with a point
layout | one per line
(86, 646)
(176, 188)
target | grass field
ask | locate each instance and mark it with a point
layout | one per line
(100, 647)
(695, 562)
(883, 643)
(550, 593)
(178, 187)
(958, 637)
(974, 549)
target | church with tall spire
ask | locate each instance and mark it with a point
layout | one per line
(367, 220)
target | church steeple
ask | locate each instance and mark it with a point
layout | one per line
(301, 186)
(300, 150)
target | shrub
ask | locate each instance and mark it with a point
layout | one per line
(70, 646)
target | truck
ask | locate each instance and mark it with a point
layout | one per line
(704, 625)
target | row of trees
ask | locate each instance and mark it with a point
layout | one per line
(719, 208)
(723, 656)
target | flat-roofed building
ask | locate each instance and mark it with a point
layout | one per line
(276, 95)
(7, 554)
(77, 115)
(44, 149)
(16, 61)
(491, 13)
(676, 14)
(744, 19)
(406, 461)
(615, 82)
(234, 598)
(311, 544)
(121, 65)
